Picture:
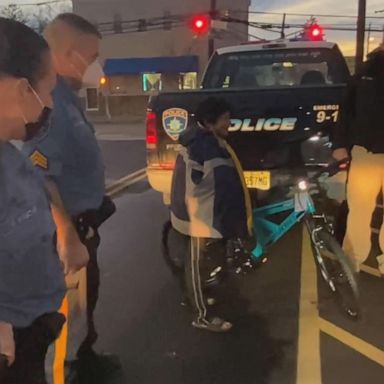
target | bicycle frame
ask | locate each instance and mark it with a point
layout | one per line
(338, 274)
(267, 232)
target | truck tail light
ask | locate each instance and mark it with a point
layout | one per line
(155, 160)
(152, 137)
(167, 166)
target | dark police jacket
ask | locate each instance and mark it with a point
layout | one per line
(207, 198)
(362, 116)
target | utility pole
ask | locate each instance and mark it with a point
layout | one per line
(211, 40)
(283, 26)
(381, 11)
(383, 37)
(360, 36)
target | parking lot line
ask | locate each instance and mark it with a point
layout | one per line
(370, 270)
(368, 350)
(308, 361)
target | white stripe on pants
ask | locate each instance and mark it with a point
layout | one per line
(196, 249)
(365, 181)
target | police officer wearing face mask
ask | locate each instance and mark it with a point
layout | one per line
(69, 156)
(32, 283)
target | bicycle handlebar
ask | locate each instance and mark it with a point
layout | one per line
(332, 169)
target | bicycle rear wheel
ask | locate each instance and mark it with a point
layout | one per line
(336, 270)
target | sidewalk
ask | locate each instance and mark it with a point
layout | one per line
(120, 132)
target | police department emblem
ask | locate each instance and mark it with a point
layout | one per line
(175, 122)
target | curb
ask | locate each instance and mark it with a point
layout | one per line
(125, 182)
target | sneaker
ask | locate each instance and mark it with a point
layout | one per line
(215, 325)
(211, 301)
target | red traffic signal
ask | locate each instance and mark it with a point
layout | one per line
(315, 32)
(200, 24)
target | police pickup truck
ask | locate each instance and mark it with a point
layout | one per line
(285, 99)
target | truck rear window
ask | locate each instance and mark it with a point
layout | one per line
(277, 68)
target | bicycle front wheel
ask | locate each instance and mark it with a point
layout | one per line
(336, 270)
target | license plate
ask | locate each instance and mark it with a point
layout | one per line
(258, 180)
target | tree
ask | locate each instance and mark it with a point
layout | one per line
(41, 19)
(45, 14)
(13, 12)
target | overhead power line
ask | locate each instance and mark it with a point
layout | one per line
(37, 4)
(176, 21)
(308, 14)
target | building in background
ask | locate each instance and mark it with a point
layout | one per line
(149, 46)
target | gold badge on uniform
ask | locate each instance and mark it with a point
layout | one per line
(38, 159)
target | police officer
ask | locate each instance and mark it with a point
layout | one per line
(31, 276)
(360, 135)
(69, 156)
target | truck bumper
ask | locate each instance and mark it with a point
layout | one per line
(161, 181)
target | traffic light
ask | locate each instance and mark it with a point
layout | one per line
(200, 24)
(315, 33)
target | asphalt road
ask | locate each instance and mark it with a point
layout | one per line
(141, 322)
(122, 157)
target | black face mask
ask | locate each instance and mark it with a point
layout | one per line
(33, 129)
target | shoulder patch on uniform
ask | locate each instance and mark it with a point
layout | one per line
(39, 160)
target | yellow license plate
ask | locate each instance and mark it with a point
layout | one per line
(258, 180)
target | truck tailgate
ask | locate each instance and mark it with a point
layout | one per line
(271, 128)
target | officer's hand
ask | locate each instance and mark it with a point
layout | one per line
(74, 255)
(7, 342)
(340, 154)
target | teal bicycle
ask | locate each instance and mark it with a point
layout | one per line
(335, 267)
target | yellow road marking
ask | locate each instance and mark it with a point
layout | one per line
(308, 361)
(368, 350)
(310, 324)
(370, 270)
(125, 182)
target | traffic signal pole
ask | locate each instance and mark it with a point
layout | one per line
(360, 36)
(211, 40)
(283, 26)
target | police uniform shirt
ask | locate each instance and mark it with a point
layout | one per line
(68, 153)
(31, 275)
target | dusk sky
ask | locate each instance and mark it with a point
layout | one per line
(318, 7)
(315, 7)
